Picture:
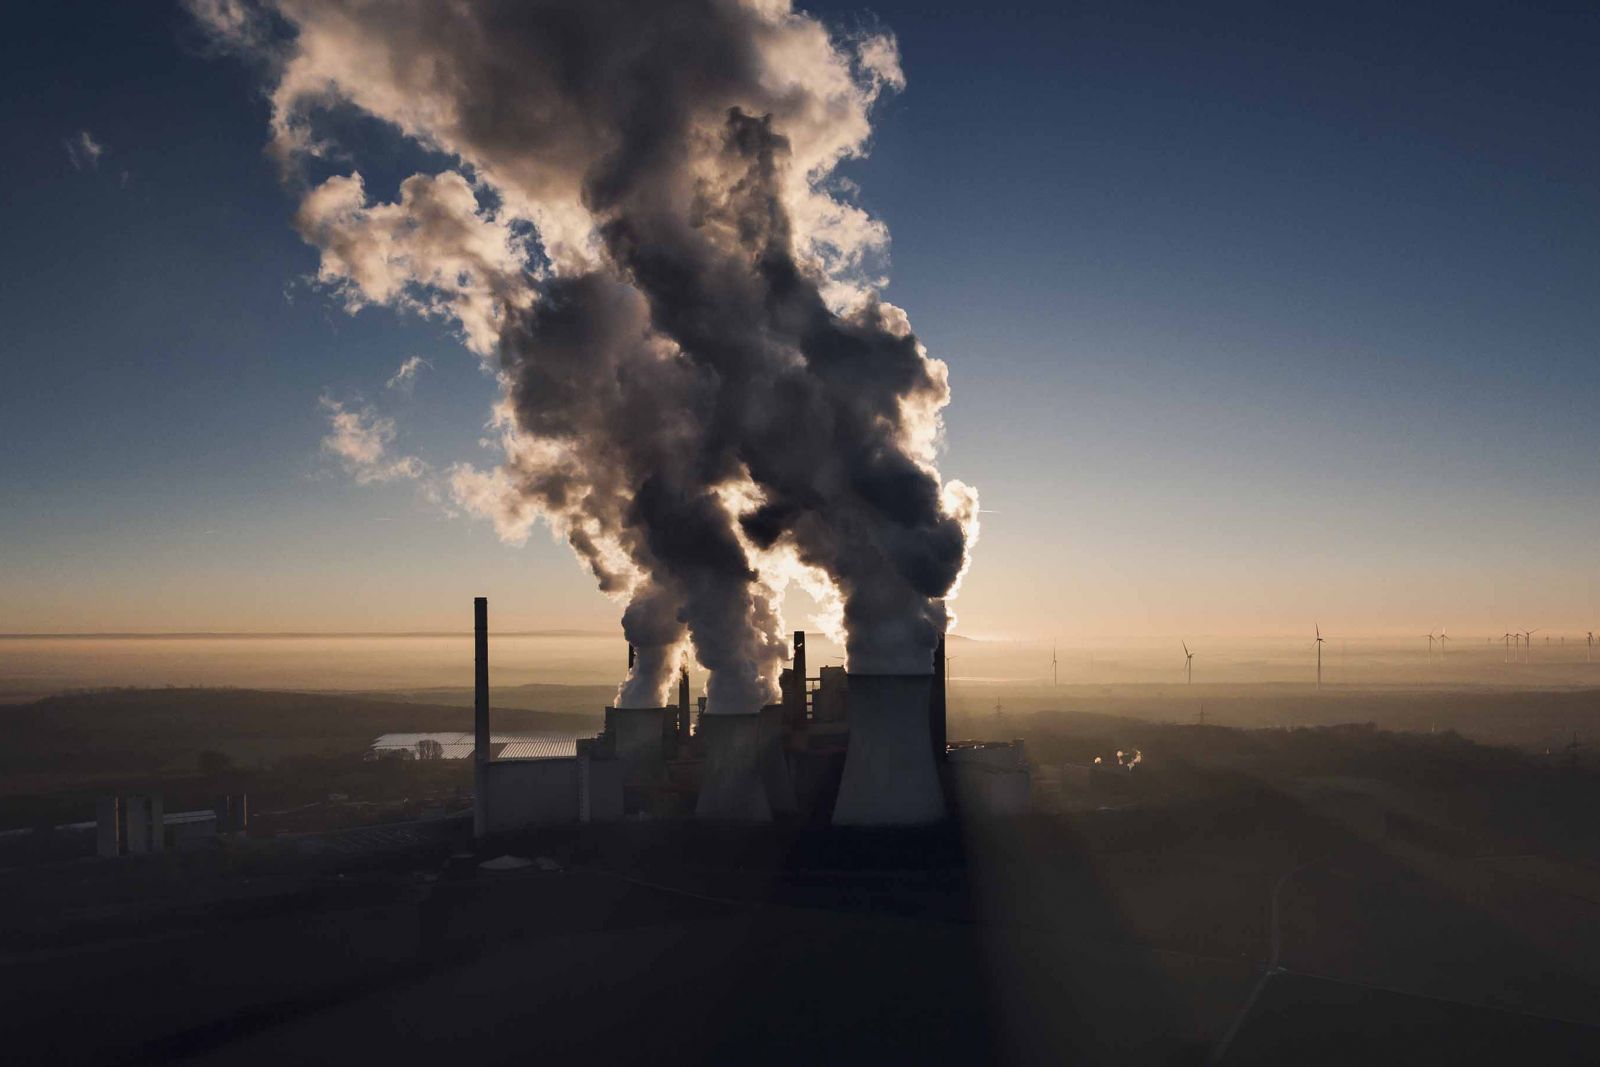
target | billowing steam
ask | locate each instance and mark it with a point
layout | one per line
(703, 393)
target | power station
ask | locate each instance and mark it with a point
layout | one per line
(847, 749)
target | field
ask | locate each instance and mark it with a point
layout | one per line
(1535, 719)
(1283, 892)
(284, 750)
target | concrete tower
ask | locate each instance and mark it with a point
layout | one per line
(731, 785)
(889, 774)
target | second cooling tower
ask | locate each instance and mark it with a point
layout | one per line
(731, 786)
(890, 778)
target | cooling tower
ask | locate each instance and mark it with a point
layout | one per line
(889, 774)
(775, 774)
(731, 784)
(639, 735)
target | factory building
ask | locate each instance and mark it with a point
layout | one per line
(141, 825)
(839, 748)
(522, 784)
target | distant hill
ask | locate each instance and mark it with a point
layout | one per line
(125, 730)
(588, 701)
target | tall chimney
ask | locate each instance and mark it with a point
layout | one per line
(480, 715)
(937, 705)
(683, 703)
(800, 676)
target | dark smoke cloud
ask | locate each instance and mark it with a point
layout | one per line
(703, 392)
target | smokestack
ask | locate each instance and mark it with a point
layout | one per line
(480, 714)
(799, 677)
(936, 705)
(889, 773)
(683, 704)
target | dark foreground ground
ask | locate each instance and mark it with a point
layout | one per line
(1313, 895)
(1242, 924)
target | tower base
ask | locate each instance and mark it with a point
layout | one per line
(889, 773)
(731, 784)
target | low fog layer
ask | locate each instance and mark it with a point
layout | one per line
(979, 670)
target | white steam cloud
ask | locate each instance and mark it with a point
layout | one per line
(642, 232)
(406, 374)
(360, 439)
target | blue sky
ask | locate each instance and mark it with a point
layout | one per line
(1253, 315)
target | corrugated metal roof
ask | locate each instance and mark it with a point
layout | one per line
(542, 748)
(182, 818)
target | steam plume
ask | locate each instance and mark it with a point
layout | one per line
(703, 390)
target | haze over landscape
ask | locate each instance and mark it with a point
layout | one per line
(35, 665)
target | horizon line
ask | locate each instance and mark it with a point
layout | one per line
(996, 639)
(466, 632)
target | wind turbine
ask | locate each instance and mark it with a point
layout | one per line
(1588, 652)
(1527, 645)
(1430, 645)
(1188, 665)
(1507, 646)
(1319, 655)
(1054, 678)
(1443, 637)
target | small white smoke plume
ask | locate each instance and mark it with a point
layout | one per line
(641, 228)
(360, 439)
(406, 375)
(84, 151)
